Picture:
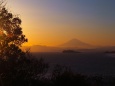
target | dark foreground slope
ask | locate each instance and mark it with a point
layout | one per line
(29, 71)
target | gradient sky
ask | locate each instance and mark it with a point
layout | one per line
(53, 22)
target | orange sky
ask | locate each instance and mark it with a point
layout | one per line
(55, 22)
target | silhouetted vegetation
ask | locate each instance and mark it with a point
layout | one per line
(21, 72)
(19, 68)
(34, 72)
(11, 35)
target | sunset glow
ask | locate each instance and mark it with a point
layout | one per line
(53, 22)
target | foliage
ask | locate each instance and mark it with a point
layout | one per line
(22, 72)
(11, 35)
(63, 76)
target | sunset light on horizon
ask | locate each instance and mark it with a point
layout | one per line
(54, 22)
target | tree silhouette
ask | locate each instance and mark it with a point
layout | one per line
(11, 35)
(17, 68)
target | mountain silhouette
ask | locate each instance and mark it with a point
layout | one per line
(42, 48)
(75, 43)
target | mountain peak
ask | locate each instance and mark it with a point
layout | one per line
(74, 40)
(75, 43)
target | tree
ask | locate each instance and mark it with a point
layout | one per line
(11, 35)
(17, 68)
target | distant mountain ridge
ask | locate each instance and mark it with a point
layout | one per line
(42, 48)
(73, 44)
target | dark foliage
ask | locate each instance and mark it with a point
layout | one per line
(17, 68)
(22, 72)
(62, 76)
(11, 35)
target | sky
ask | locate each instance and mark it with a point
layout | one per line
(53, 22)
